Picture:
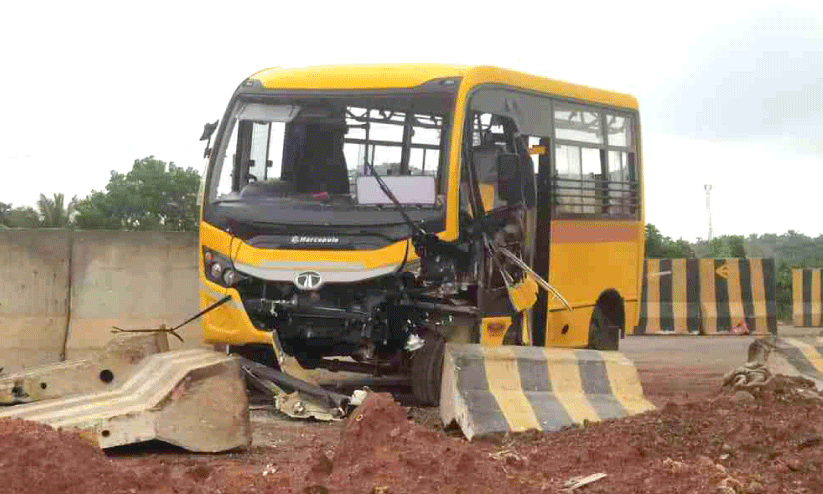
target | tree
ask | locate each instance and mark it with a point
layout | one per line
(654, 242)
(783, 291)
(681, 249)
(660, 246)
(736, 248)
(716, 248)
(154, 195)
(4, 213)
(53, 212)
(22, 217)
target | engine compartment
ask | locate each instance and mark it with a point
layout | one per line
(379, 322)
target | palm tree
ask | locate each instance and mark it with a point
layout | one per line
(53, 212)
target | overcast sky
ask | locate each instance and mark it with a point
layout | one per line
(731, 93)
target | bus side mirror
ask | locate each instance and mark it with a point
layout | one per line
(208, 130)
(509, 179)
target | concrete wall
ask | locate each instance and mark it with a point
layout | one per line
(63, 290)
(34, 272)
(131, 280)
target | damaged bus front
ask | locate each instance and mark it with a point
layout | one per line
(326, 218)
(361, 218)
(299, 229)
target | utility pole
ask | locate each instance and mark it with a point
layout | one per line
(708, 188)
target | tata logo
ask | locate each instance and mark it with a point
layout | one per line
(308, 280)
(302, 239)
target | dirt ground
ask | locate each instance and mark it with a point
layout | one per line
(699, 441)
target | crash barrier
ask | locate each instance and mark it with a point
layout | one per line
(194, 398)
(63, 291)
(791, 357)
(112, 366)
(499, 389)
(34, 269)
(708, 296)
(807, 297)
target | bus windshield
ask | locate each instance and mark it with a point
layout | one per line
(292, 157)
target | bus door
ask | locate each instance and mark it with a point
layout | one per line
(540, 151)
(504, 177)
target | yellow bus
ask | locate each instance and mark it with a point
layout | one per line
(363, 212)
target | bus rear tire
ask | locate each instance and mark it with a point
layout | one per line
(604, 333)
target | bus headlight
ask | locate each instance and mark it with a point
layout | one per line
(216, 270)
(219, 269)
(230, 277)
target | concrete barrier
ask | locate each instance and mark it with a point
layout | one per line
(131, 280)
(807, 296)
(707, 296)
(34, 272)
(61, 291)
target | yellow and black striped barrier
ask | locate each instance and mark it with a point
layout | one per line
(707, 296)
(518, 388)
(796, 357)
(807, 297)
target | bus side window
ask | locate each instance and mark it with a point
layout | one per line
(594, 172)
(225, 167)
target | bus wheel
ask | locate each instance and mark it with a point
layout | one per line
(427, 370)
(604, 333)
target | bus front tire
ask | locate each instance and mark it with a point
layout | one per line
(427, 370)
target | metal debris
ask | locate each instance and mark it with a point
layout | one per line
(578, 482)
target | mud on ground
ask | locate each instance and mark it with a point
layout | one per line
(769, 441)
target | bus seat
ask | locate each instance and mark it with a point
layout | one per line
(321, 166)
(485, 162)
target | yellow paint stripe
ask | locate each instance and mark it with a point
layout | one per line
(503, 377)
(708, 302)
(487, 196)
(815, 308)
(625, 384)
(809, 351)
(759, 295)
(653, 296)
(679, 297)
(797, 297)
(526, 334)
(735, 291)
(564, 374)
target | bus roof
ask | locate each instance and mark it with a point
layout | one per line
(411, 75)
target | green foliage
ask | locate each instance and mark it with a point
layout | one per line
(723, 247)
(4, 213)
(716, 248)
(660, 246)
(783, 291)
(736, 247)
(789, 250)
(154, 195)
(53, 212)
(21, 217)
